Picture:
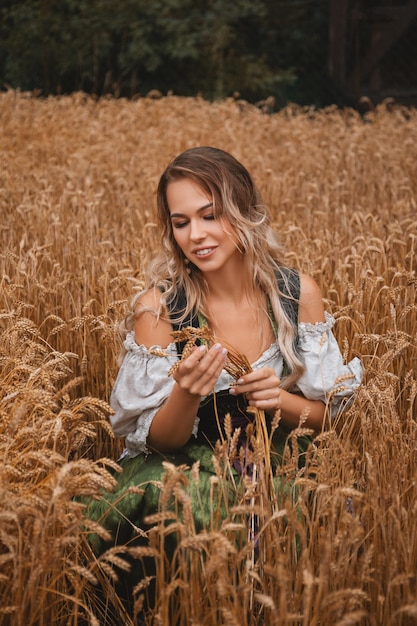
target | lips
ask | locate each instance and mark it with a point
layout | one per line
(202, 252)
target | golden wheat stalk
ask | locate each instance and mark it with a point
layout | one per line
(70, 273)
(262, 483)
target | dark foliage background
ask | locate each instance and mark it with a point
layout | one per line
(212, 47)
(215, 48)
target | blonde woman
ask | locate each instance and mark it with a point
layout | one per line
(220, 266)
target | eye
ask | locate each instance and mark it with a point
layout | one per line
(179, 224)
(209, 217)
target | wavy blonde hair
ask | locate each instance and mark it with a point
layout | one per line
(235, 198)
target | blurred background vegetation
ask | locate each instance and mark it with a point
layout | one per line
(311, 52)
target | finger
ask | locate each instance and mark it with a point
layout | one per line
(266, 400)
(256, 376)
(208, 353)
(266, 405)
(263, 395)
(203, 380)
(197, 354)
(199, 372)
(212, 363)
(261, 388)
(262, 385)
(189, 363)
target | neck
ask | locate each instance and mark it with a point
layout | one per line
(232, 286)
(236, 291)
(236, 312)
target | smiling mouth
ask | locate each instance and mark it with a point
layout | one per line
(204, 251)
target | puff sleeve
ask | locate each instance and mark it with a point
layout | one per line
(326, 376)
(141, 388)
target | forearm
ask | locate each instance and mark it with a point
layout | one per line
(173, 424)
(296, 409)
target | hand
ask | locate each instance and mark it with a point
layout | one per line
(198, 373)
(261, 388)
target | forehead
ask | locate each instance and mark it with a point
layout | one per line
(186, 195)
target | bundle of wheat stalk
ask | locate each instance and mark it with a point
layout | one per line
(237, 365)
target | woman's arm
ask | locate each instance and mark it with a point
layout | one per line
(263, 392)
(195, 377)
(311, 309)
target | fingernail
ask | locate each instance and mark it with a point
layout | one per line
(240, 381)
(224, 353)
(232, 391)
(217, 346)
(202, 348)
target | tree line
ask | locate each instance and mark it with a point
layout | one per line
(215, 48)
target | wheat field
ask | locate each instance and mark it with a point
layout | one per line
(77, 196)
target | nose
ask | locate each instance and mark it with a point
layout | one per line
(197, 230)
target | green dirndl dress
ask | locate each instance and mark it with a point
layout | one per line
(146, 499)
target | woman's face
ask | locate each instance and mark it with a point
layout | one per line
(209, 242)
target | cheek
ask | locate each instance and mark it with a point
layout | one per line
(179, 237)
(230, 233)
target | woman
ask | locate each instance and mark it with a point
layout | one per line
(220, 268)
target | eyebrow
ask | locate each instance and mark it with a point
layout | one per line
(206, 206)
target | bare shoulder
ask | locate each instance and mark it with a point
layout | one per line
(151, 329)
(311, 308)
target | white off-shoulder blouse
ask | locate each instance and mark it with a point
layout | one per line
(143, 385)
